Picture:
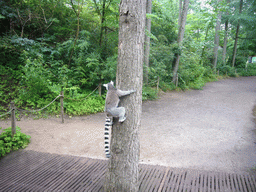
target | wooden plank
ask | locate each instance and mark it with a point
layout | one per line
(142, 174)
(69, 171)
(163, 179)
(243, 182)
(233, 182)
(84, 178)
(247, 183)
(35, 171)
(239, 182)
(252, 182)
(222, 182)
(148, 184)
(145, 179)
(205, 182)
(96, 177)
(157, 178)
(42, 173)
(167, 186)
(197, 181)
(22, 174)
(180, 180)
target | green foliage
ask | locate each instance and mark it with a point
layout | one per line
(40, 54)
(90, 105)
(34, 82)
(249, 70)
(149, 93)
(191, 76)
(9, 143)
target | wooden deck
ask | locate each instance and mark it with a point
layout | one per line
(34, 171)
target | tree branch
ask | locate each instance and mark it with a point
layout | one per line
(72, 5)
(97, 8)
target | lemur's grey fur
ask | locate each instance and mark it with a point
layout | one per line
(112, 110)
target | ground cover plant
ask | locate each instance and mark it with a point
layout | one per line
(9, 143)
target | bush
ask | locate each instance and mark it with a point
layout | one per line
(191, 76)
(87, 106)
(249, 71)
(149, 93)
(9, 143)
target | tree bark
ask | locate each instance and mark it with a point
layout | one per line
(225, 38)
(236, 39)
(180, 37)
(123, 174)
(216, 39)
(180, 12)
(225, 43)
(203, 50)
(147, 41)
(77, 29)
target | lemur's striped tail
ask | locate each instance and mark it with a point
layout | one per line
(108, 126)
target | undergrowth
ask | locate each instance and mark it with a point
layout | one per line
(9, 143)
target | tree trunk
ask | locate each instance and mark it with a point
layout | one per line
(77, 29)
(122, 173)
(236, 39)
(203, 50)
(180, 12)
(225, 43)
(180, 37)
(216, 40)
(225, 40)
(147, 41)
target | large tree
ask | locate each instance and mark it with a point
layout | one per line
(225, 42)
(147, 41)
(182, 22)
(216, 38)
(122, 174)
(236, 38)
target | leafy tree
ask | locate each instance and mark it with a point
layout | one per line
(216, 38)
(237, 32)
(147, 40)
(183, 18)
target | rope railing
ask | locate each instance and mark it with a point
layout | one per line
(85, 97)
(13, 108)
(6, 113)
(33, 111)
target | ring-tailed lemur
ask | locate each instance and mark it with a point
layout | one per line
(112, 110)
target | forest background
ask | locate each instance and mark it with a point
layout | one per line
(51, 45)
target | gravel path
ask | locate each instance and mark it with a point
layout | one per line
(211, 129)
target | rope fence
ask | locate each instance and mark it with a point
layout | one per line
(61, 96)
(85, 97)
(33, 111)
(6, 113)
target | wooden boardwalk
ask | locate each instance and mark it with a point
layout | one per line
(34, 171)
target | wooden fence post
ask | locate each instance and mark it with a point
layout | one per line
(13, 118)
(177, 80)
(100, 89)
(61, 106)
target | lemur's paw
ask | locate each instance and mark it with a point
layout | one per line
(122, 120)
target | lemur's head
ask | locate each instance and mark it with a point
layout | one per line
(110, 85)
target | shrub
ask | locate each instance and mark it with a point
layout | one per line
(149, 93)
(9, 143)
(249, 71)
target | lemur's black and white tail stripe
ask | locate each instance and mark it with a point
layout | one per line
(108, 126)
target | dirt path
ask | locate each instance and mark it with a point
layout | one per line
(210, 129)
